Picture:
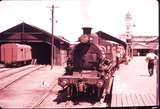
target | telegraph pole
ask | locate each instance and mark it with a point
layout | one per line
(53, 47)
(52, 39)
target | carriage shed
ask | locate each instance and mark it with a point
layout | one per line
(40, 41)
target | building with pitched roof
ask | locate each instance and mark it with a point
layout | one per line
(143, 44)
(39, 40)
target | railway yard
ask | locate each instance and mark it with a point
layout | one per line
(35, 86)
(42, 69)
(24, 86)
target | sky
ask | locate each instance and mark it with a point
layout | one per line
(71, 15)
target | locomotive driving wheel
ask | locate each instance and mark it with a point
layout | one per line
(71, 91)
(99, 93)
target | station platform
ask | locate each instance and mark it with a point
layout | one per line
(133, 86)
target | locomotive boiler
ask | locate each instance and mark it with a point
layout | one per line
(88, 69)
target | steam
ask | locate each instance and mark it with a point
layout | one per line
(85, 5)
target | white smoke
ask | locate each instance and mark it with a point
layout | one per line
(85, 6)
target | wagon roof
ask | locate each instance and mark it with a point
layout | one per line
(110, 38)
(17, 45)
(23, 46)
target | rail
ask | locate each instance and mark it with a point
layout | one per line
(22, 75)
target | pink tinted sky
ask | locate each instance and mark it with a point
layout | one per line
(71, 15)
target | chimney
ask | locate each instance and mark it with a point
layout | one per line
(87, 30)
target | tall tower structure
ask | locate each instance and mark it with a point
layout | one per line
(128, 19)
(128, 24)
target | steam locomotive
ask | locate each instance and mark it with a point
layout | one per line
(90, 67)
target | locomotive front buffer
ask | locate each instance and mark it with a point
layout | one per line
(89, 82)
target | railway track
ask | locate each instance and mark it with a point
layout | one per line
(12, 71)
(49, 96)
(4, 69)
(55, 98)
(41, 100)
(8, 80)
(8, 69)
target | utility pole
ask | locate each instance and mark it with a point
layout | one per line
(52, 39)
(53, 47)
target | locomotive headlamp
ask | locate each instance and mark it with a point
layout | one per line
(64, 82)
(84, 38)
(100, 83)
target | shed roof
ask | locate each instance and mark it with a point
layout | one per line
(27, 32)
(144, 46)
(143, 38)
(156, 39)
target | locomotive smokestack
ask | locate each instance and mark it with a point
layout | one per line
(87, 30)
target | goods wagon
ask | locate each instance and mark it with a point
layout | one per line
(13, 54)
